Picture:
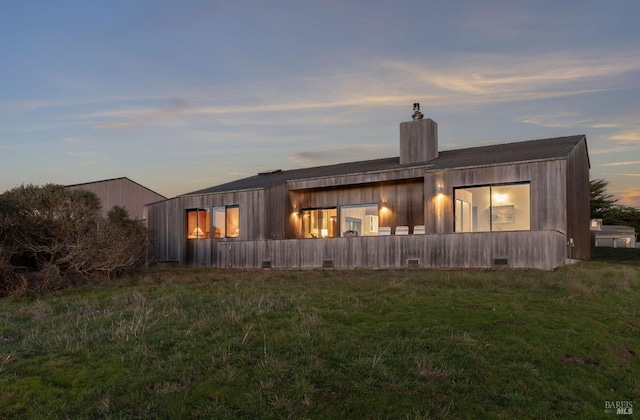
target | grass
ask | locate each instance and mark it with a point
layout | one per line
(327, 344)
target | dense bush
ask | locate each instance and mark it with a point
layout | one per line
(51, 236)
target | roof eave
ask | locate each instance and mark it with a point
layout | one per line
(457, 168)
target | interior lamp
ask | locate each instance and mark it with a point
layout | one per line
(324, 232)
(499, 198)
(197, 233)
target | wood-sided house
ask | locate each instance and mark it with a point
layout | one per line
(121, 192)
(520, 205)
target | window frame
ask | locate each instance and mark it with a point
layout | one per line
(216, 210)
(212, 223)
(206, 232)
(363, 222)
(336, 233)
(491, 205)
(236, 233)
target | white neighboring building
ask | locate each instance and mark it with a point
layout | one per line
(613, 236)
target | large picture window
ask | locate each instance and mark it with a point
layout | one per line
(198, 224)
(359, 220)
(320, 223)
(492, 208)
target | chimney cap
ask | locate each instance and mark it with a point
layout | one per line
(417, 115)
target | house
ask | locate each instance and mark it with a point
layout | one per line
(613, 236)
(519, 205)
(121, 192)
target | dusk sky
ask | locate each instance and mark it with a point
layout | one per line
(184, 95)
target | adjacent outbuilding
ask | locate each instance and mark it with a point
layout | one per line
(122, 192)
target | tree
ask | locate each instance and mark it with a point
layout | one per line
(601, 203)
(51, 236)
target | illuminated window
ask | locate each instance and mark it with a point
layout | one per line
(198, 224)
(360, 220)
(233, 222)
(493, 208)
(226, 222)
(219, 222)
(320, 223)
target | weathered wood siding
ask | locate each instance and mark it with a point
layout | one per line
(277, 211)
(251, 204)
(167, 224)
(578, 209)
(167, 221)
(199, 252)
(547, 189)
(540, 250)
(121, 192)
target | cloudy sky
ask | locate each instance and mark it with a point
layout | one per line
(183, 95)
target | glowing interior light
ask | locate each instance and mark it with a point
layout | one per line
(499, 198)
(324, 233)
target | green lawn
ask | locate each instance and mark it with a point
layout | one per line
(327, 344)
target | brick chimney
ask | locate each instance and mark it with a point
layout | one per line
(418, 139)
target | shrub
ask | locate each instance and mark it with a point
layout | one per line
(51, 236)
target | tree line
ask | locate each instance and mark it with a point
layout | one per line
(52, 237)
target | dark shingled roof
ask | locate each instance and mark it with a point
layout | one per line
(526, 151)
